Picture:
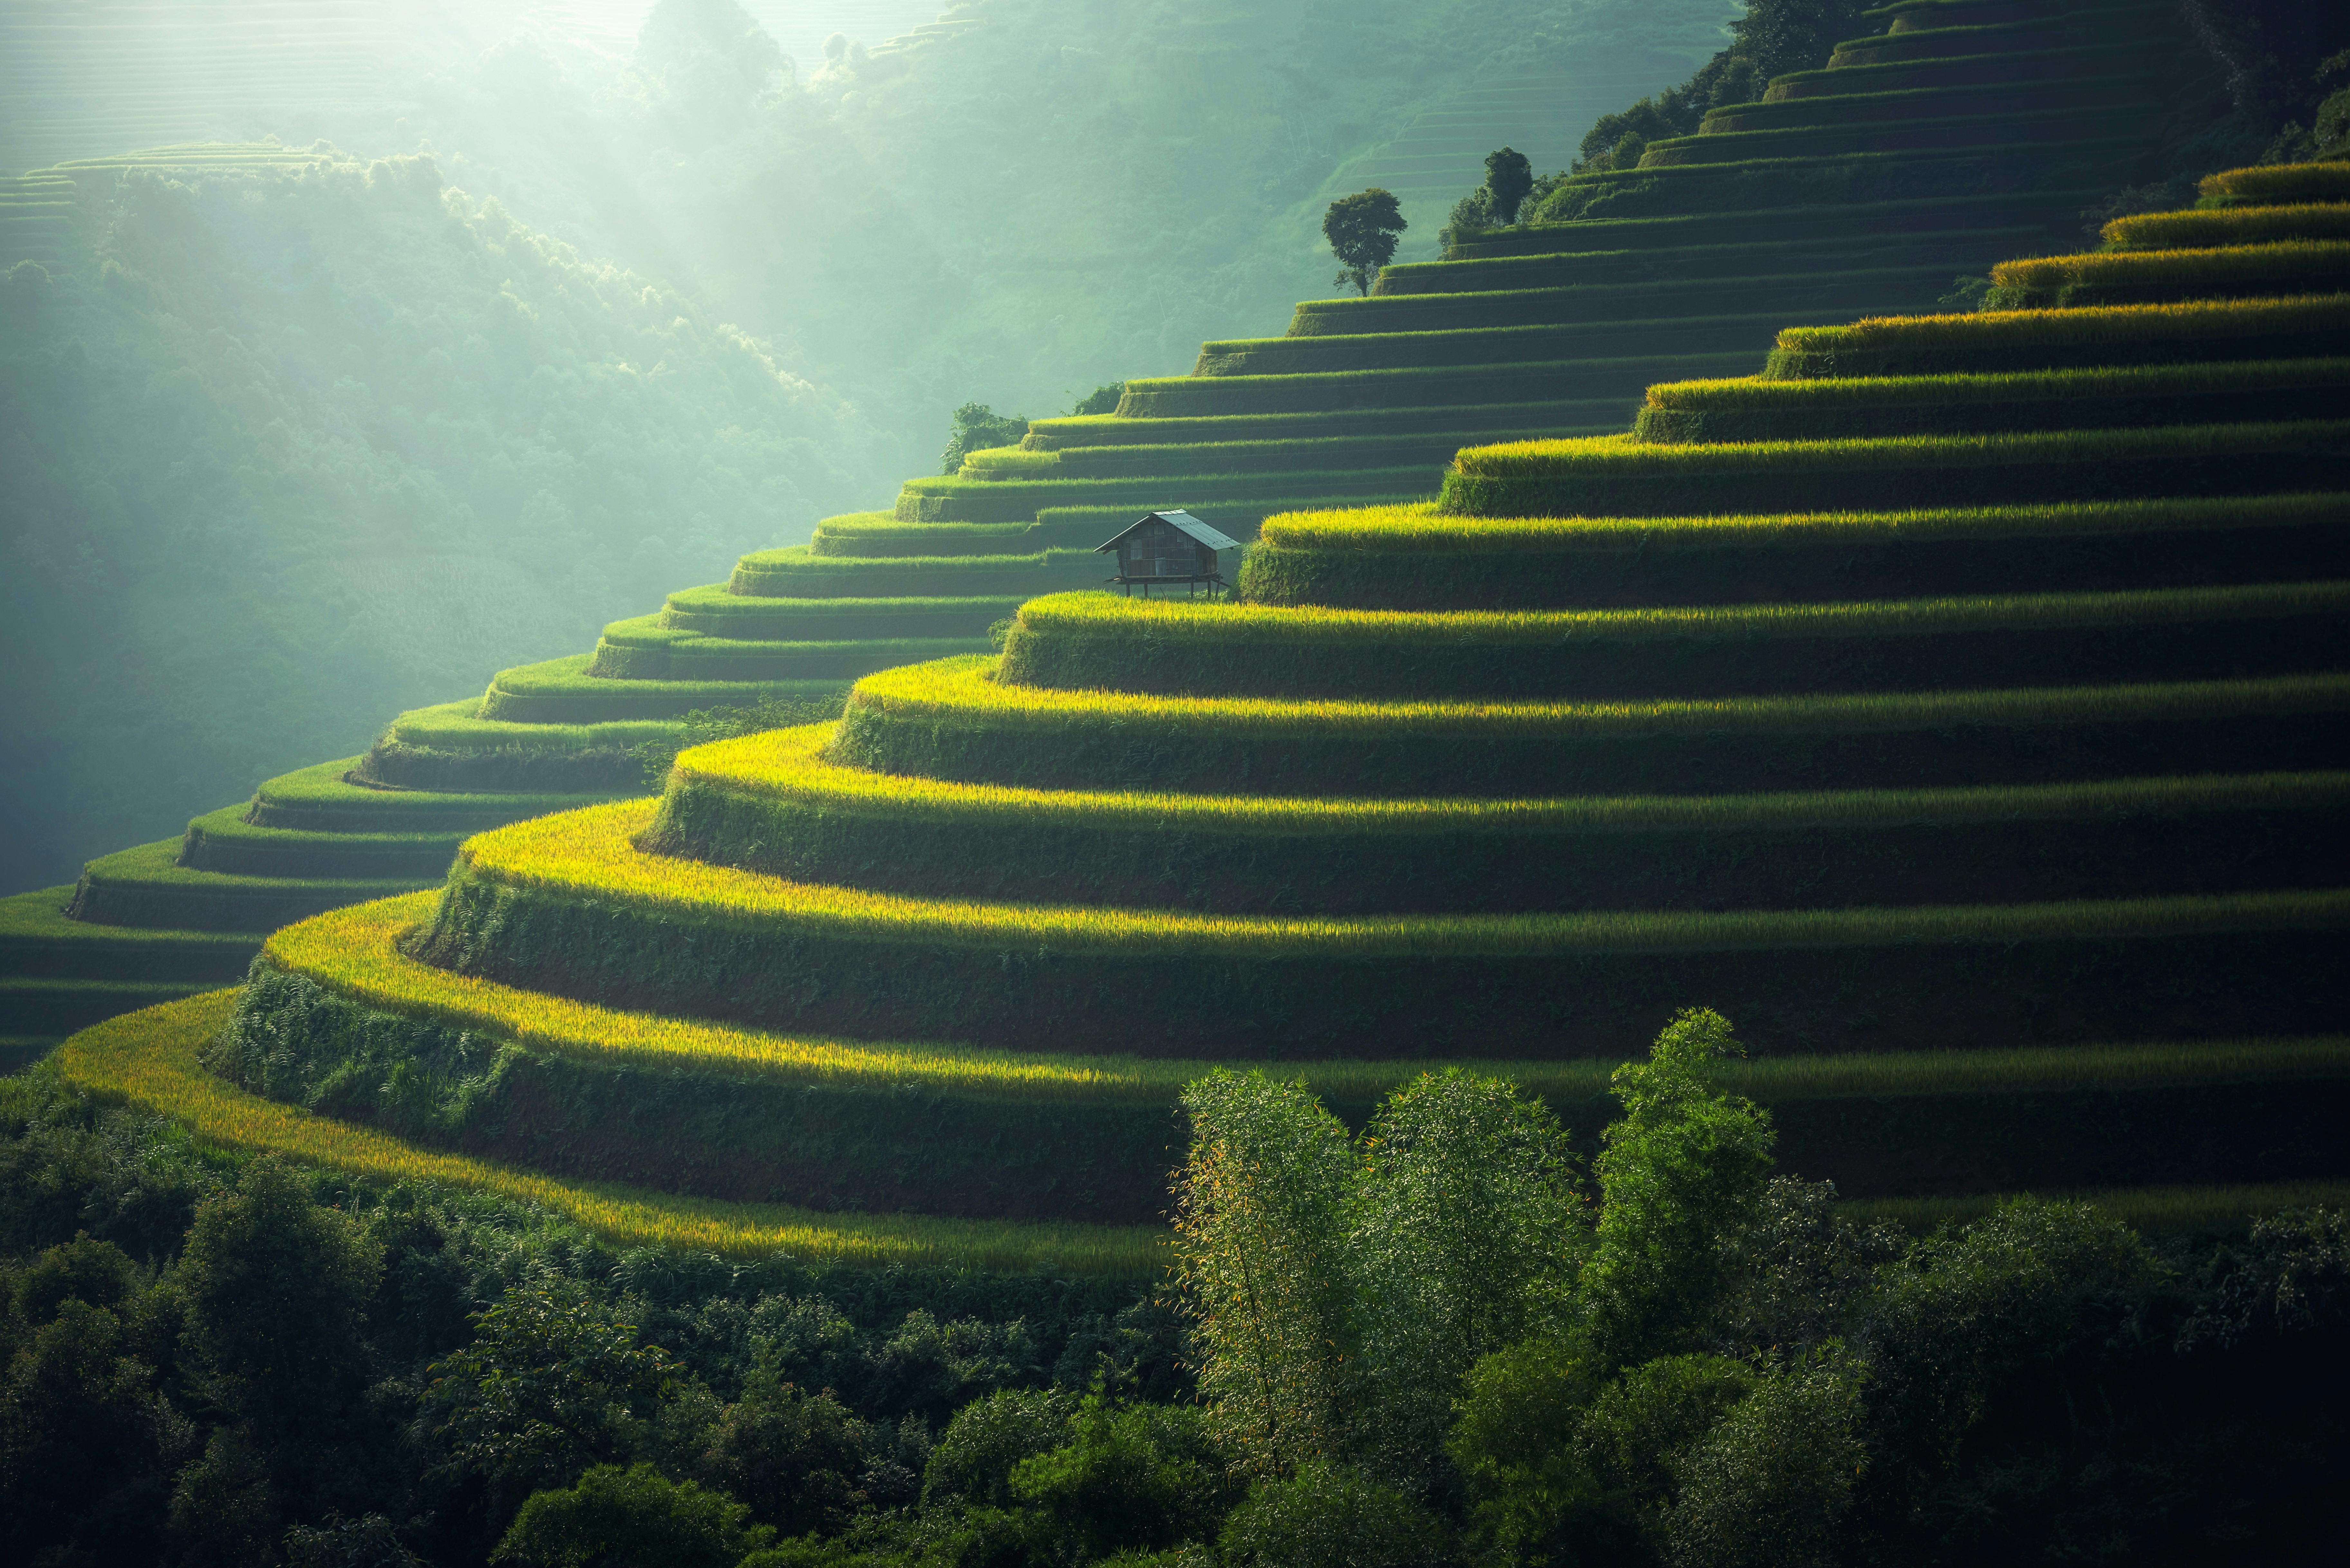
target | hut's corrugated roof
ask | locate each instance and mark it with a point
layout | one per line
(1182, 520)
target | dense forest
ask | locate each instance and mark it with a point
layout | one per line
(1669, 1356)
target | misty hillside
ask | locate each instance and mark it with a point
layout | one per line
(622, 304)
(305, 441)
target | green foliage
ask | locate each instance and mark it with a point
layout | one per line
(1136, 1478)
(1684, 1167)
(1770, 37)
(1326, 1516)
(1261, 1213)
(1532, 1497)
(613, 1518)
(973, 1460)
(1362, 230)
(1468, 1224)
(1508, 179)
(1769, 1484)
(553, 1380)
(277, 1292)
(976, 426)
(796, 1460)
(84, 1432)
(1963, 1313)
(1102, 399)
(93, 1272)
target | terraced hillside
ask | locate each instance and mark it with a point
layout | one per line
(1440, 153)
(1993, 783)
(1546, 330)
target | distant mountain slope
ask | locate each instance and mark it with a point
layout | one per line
(291, 440)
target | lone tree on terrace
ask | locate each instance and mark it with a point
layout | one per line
(1508, 178)
(1362, 230)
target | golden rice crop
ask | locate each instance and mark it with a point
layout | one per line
(2227, 225)
(1980, 386)
(2000, 328)
(1261, 625)
(150, 1059)
(961, 691)
(790, 764)
(590, 856)
(354, 953)
(1604, 457)
(2280, 261)
(2325, 182)
(1420, 528)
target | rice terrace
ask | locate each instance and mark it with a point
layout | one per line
(1659, 876)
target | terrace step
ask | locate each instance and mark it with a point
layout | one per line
(950, 720)
(148, 888)
(2086, 399)
(1811, 223)
(1179, 648)
(327, 799)
(223, 842)
(773, 804)
(1409, 558)
(563, 692)
(643, 650)
(576, 910)
(1616, 476)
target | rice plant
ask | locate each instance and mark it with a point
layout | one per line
(150, 1059)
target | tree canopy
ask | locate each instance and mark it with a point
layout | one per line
(1362, 230)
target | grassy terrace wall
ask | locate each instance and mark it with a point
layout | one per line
(1413, 557)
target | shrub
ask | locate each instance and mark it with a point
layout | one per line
(973, 1460)
(1769, 1486)
(977, 426)
(1133, 1478)
(1330, 1517)
(634, 1518)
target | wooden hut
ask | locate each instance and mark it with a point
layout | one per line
(1166, 548)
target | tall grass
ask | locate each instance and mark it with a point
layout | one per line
(1260, 631)
(150, 1059)
(320, 798)
(2328, 182)
(791, 765)
(961, 693)
(1996, 339)
(355, 953)
(1605, 455)
(2227, 226)
(590, 856)
(456, 727)
(1823, 395)
(2276, 268)
(1418, 529)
